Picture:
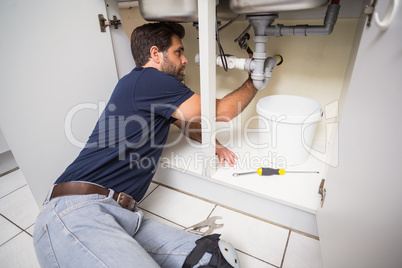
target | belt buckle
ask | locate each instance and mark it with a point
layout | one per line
(126, 201)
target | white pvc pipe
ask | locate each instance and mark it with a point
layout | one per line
(261, 66)
(232, 62)
(269, 64)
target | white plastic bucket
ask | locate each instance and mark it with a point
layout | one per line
(286, 127)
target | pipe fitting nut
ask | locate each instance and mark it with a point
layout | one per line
(260, 38)
(260, 55)
(247, 65)
(258, 77)
(268, 74)
(300, 30)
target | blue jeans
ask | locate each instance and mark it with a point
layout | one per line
(94, 231)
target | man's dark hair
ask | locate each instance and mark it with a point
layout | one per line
(153, 34)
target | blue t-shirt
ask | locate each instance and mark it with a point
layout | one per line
(123, 151)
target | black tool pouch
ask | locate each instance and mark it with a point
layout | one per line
(207, 244)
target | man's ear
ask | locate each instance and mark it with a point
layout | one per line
(155, 54)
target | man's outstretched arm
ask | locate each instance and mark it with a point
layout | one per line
(227, 108)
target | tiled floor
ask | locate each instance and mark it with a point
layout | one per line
(258, 243)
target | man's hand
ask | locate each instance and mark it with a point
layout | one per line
(225, 154)
(193, 131)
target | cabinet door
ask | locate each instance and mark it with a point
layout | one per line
(360, 222)
(57, 70)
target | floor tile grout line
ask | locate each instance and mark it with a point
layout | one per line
(28, 228)
(9, 172)
(19, 227)
(11, 238)
(147, 195)
(238, 211)
(13, 191)
(286, 248)
(164, 218)
(212, 211)
(252, 256)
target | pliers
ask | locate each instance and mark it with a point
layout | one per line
(210, 222)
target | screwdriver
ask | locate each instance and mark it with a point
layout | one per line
(271, 171)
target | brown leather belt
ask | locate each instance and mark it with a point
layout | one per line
(83, 188)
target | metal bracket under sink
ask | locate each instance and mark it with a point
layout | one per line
(322, 191)
(369, 10)
(104, 23)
